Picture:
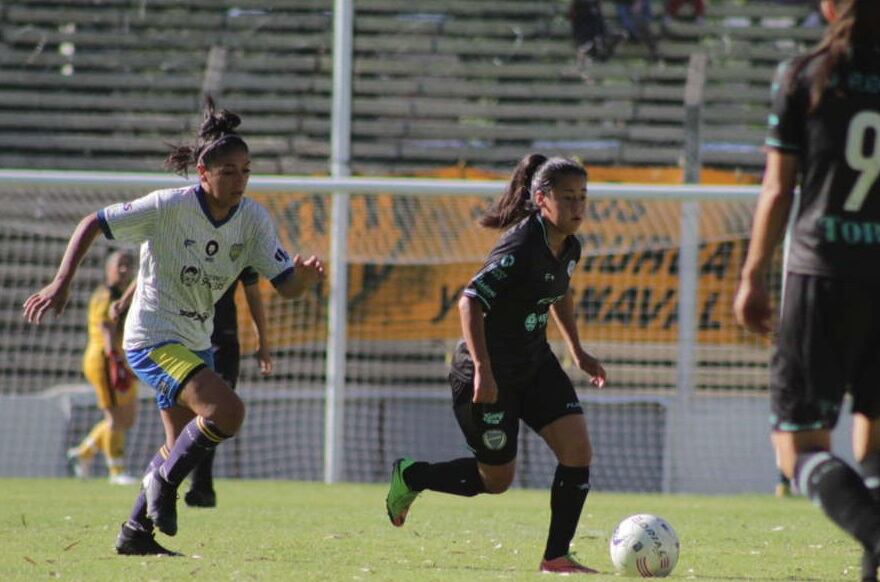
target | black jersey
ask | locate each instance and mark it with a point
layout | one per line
(837, 227)
(519, 282)
(225, 313)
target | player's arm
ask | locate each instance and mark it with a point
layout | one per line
(752, 303)
(121, 305)
(473, 329)
(54, 296)
(258, 315)
(305, 275)
(120, 377)
(563, 315)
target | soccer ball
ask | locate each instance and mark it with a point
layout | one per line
(644, 545)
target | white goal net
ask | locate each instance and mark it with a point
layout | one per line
(685, 408)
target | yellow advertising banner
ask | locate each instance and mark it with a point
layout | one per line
(410, 257)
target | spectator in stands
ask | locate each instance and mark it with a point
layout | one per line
(635, 18)
(209, 228)
(673, 7)
(825, 138)
(590, 32)
(503, 371)
(105, 368)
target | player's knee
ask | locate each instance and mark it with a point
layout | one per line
(235, 413)
(497, 482)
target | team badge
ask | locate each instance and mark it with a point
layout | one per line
(494, 439)
(235, 251)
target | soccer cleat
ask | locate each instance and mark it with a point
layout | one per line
(564, 565)
(201, 498)
(135, 542)
(161, 502)
(123, 479)
(77, 466)
(400, 496)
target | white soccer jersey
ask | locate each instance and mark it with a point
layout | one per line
(188, 260)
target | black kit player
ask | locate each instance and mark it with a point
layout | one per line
(825, 136)
(504, 370)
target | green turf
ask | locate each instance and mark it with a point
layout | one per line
(280, 530)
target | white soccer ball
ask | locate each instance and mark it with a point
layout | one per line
(644, 545)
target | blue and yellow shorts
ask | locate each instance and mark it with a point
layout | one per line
(167, 367)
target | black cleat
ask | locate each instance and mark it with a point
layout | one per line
(201, 498)
(869, 567)
(161, 502)
(135, 542)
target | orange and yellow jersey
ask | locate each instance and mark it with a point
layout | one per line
(95, 366)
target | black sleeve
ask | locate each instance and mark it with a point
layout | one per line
(249, 276)
(786, 120)
(503, 269)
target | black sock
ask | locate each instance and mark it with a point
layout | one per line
(458, 477)
(567, 497)
(870, 469)
(841, 493)
(203, 473)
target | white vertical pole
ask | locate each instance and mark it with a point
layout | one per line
(340, 143)
(688, 275)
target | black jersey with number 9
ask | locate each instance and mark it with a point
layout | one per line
(837, 228)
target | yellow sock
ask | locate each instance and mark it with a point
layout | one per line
(93, 441)
(114, 450)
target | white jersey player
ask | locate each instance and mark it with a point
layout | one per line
(194, 243)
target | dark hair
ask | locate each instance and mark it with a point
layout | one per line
(855, 25)
(217, 137)
(533, 173)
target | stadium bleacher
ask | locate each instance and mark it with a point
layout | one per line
(106, 84)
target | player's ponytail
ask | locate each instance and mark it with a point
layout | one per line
(516, 202)
(217, 137)
(855, 25)
(534, 173)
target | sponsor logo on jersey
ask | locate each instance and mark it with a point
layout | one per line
(211, 248)
(548, 277)
(493, 417)
(200, 317)
(531, 322)
(494, 439)
(188, 242)
(507, 261)
(190, 275)
(281, 255)
(126, 207)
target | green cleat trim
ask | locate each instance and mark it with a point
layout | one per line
(400, 496)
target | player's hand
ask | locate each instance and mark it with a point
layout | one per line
(120, 376)
(312, 269)
(117, 311)
(265, 359)
(751, 306)
(53, 297)
(485, 388)
(592, 367)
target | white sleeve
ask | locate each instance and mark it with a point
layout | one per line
(267, 255)
(133, 221)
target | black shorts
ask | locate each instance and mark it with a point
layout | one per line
(227, 358)
(828, 345)
(491, 430)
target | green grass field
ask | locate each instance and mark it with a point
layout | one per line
(279, 530)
